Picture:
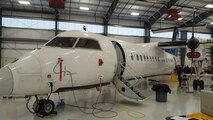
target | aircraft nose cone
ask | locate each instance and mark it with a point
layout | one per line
(6, 81)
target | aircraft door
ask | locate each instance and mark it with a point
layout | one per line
(120, 58)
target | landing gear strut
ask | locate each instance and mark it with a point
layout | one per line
(198, 83)
(44, 107)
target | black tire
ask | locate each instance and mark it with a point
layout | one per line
(44, 107)
(201, 84)
(195, 84)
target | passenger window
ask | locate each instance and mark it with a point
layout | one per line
(137, 57)
(153, 58)
(141, 57)
(88, 43)
(132, 57)
(147, 58)
(62, 42)
(144, 57)
(150, 58)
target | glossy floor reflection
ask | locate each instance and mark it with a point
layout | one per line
(178, 103)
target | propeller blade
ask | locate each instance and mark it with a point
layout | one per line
(193, 25)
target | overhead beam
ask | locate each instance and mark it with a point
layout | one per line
(198, 18)
(23, 40)
(111, 10)
(109, 15)
(26, 10)
(160, 12)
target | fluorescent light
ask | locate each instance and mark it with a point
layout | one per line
(211, 23)
(84, 8)
(180, 18)
(209, 6)
(24, 2)
(134, 14)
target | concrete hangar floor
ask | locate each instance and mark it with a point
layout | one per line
(179, 102)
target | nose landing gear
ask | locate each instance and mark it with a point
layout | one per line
(44, 107)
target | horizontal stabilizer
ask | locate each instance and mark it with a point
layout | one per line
(172, 44)
(208, 42)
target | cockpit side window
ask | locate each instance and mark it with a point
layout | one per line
(88, 43)
(62, 42)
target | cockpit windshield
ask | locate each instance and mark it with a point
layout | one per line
(62, 42)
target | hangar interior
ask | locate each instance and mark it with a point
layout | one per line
(27, 26)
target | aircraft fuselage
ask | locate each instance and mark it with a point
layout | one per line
(31, 73)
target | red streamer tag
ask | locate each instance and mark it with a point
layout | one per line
(60, 71)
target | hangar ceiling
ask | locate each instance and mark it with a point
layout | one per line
(149, 10)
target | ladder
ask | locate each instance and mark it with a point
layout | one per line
(126, 88)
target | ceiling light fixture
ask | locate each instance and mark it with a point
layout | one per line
(84, 8)
(209, 6)
(24, 2)
(211, 23)
(134, 14)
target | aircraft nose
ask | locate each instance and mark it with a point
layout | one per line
(6, 81)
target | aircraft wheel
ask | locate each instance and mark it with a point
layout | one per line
(195, 84)
(201, 84)
(43, 107)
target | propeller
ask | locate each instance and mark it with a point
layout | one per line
(193, 43)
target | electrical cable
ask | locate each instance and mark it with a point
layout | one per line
(27, 105)
(94, 108)
(130, 112)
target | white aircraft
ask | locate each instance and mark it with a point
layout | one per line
(79, 59)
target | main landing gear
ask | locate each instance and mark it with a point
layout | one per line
(44, 107)
(198, 83)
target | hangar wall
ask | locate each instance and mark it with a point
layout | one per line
(21, 40)
(17, 41)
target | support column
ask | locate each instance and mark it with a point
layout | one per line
(174, 51)
(147, 33)
(183, 36)
(175, 34)
(105, 28)
(0, 36)
(211, 51)
(56, 21)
